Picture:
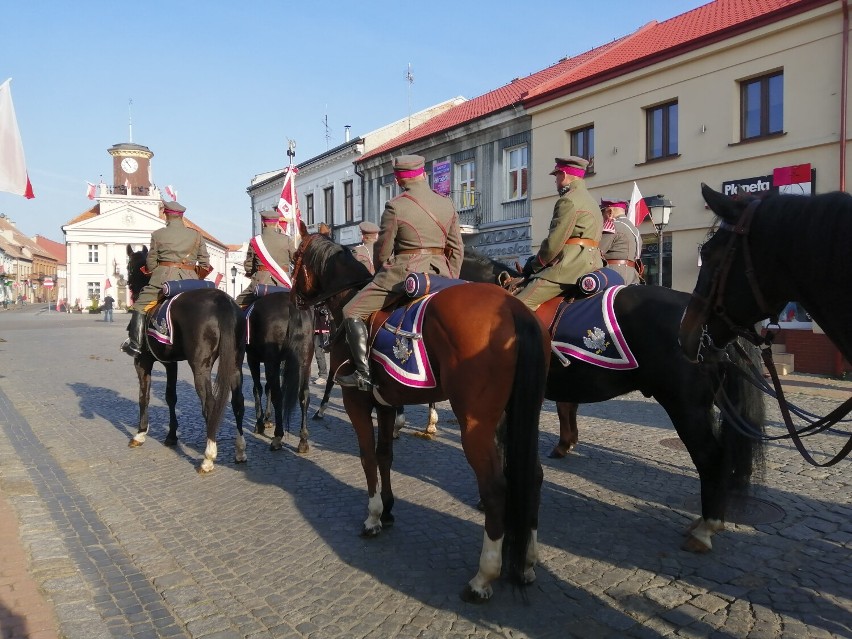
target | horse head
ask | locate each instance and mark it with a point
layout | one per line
(137, 275)
(322, 268)
(726, 301)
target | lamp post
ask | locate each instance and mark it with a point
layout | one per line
(234, 280)
(660, 209)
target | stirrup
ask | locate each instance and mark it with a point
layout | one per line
(130, 348)
(355, 380)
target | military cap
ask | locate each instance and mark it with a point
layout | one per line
(173, 208)
(409, 166)
(368, 227)
(270, 216)
(572, 165)
(617, 204)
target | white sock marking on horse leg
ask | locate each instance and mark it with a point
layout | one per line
(240, 446)
(139, 437)
(432, 426)
(373, 523)
(490, 561)
(209, 456)
(705, 530)
(532, 558)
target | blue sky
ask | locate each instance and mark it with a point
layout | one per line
(218, 87)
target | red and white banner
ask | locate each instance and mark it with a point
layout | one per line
(90, 190)
(288, 204)
(107, 284)
(13, 165)
(170, 191)
(638, 210)
(278, 271)
(793, 180)
(218, 279)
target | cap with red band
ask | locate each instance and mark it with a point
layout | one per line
(270, 216)
(572, 165)
(617, 204)
(173, 208)
(409, 166)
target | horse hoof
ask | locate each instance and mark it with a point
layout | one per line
(303, 448)
(556, 453)
(134, 444)
(240, 461)
(693, 544)
(170, 441)
(371, 532)
(469, 595)
(202, 471)
(317, 415)
(276, 444)
(387, 520)
(423, 435)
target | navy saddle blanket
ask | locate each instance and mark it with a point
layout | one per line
(160, 321)
(176, 287)
(398, 344)
(587, 329)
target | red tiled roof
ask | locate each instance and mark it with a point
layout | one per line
(56, 249)
(659, 40)
(651, 43)
(92, 212)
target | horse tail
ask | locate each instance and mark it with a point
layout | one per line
(520, 439)
(743, 441)
(295, 361)
(227, 362)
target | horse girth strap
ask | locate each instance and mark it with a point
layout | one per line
(829, 420)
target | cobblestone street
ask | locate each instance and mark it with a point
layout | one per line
(133, 543)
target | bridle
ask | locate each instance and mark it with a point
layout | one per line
(714, 302)
(299, 267)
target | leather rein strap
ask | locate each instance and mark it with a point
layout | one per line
(298, 265)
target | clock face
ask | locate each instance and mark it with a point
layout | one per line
(129, 165)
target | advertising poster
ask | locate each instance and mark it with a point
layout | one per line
(441, 178)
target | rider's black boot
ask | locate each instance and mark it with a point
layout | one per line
(133, 344)
(357, 337)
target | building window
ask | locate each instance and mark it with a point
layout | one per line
(94, 290)
(466, 182)
(583, 145)
(348, 201)
(309, 207)
(93, 253)
(762, 106)
(662, 131)
(387, 194)
(517, 171)
(328, 198)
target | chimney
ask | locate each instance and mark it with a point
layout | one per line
(347, 127)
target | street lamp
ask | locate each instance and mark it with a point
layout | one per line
(234, 280)
(660, 209)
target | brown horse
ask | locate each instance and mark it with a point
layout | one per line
(489, 355)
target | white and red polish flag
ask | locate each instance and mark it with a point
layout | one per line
(107, 284)
(218, 280)
(288, 204)
(90, 190)
(13, 165)
(170, 191)
(638, 210)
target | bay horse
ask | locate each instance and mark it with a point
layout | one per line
(281, 338)
(489, 357)
(207, 326)
(649, 317)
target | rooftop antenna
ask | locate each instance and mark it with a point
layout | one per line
(327, 131)
(409, 77)
(130, 118)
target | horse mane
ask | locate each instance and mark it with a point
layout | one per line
(136, 279)
(480, 268)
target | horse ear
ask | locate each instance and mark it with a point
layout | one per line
(303, 230)
(722, 205)
(129, 250)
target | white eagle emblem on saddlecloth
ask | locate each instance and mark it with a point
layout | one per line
(596, 340)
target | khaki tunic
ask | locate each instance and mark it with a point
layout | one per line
(364, 254)
(575, 215)
(174, 243)
(407, 226)
(280, 247)
(622, 245)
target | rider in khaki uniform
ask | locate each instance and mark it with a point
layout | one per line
(621, 245)
(570, 249)
(175, 251)
(274, 249)
(419, 234)
(364, 251)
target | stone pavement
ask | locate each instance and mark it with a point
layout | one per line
(132, 543)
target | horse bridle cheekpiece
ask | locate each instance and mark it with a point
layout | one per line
(299, 268)
(714, 302)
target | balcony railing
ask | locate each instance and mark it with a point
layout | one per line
(468, 205)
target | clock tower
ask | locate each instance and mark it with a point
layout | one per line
(131, 164)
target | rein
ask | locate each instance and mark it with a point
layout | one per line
(298, 265)
(714, 303)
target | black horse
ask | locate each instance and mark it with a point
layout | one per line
(207, 325)
(649, 317)
(280, 338)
